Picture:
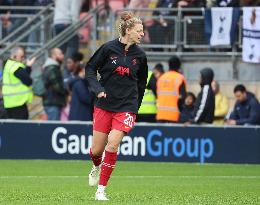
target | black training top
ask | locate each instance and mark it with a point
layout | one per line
(123, 76)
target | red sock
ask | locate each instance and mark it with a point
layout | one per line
(96, 159)
(107, 167)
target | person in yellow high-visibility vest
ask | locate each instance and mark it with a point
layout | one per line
(147, 111)
(16, 90)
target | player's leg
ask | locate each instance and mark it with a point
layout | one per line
(101, 127)
(114, 139)
(96, 151)
(122, 123)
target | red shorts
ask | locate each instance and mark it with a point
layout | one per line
(105, 121)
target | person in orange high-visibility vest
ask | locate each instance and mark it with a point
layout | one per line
(171, 92)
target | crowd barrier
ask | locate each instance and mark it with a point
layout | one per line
(146, 142)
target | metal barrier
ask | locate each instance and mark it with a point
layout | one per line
(184, 34)
(35, 22)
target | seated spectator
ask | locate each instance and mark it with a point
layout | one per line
(162, 26)
(188, 108)
(205, 102)
(246, 110)
(190, 3)
(139, 4)
(81, 105)
(227, 3)
(221, 104)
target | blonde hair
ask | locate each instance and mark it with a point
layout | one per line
(126, 20)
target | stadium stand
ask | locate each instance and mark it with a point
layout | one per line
(192, 48)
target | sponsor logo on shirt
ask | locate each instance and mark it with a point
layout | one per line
(120, 70)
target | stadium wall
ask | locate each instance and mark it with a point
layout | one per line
(147, 142)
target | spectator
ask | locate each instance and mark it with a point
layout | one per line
(205, 102)
(147, 110)
(3, 114)
(157, 72)
(246, 110)
(221, 104)
(74, 64)
(227, 3)
(65, 110)
(55, 96)
(67, 12)
(188, 108)
(210, 3)
(81, 106)
(139, 4)
(249, 3)
(162, 26)
(190, 3)
(17, 83)
(35, 34)
(10, 24)
(171, 92)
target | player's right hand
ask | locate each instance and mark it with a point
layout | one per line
(30, 62)
(102, 95)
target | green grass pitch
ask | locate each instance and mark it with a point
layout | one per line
(65, 182)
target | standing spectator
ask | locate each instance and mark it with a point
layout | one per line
(81, 105)
(147, 111)
(17, 83)
(66, 13)
(74, 64)
(246, 110)
(157, 73)
(171, 92)
(205, 103)
(221, 104)
(158, 70)
(188, 108)
(55, 96)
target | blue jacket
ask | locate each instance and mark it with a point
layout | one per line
(81, 105)
(247, 112)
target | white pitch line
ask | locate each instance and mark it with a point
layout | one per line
(137, 177)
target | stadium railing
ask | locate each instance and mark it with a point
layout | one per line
(37, 20)
(186, 34)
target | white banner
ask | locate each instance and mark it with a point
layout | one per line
(251, 34)
(221, 26)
